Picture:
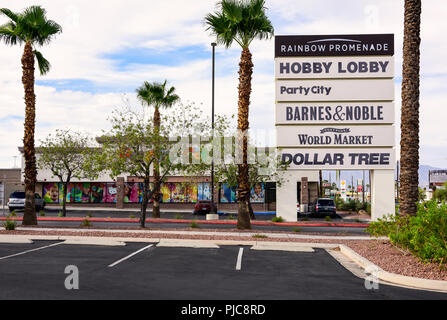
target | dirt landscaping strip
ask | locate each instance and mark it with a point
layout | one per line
(228, 222)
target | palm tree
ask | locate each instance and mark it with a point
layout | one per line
(158, 95)
(29, 27)
(409, 142)
(241, 21)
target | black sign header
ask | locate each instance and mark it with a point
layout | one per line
(334, 45)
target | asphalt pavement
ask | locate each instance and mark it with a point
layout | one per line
(145, 271)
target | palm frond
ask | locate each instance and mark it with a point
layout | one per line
(241, 21)
(11, 15)
(156, 94)
(9, 35)
(43, 64)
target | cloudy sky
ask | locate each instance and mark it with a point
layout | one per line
(108, 48)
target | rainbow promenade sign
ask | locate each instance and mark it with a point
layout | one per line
(334, 109)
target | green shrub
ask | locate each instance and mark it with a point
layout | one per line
(42, 213)
(131, 216)
(368, 208)
(424, 235)
(60, 214)
(13, 213)
(9, 225)
(297, 229)
(86, 223)
(178, 217)
(277, 219)
(231, 217)
(327, 218)
(89, 215)
(194, 225)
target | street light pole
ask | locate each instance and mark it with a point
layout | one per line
(213, 208)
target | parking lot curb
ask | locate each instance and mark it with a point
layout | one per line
(16, 239)
(416, 283)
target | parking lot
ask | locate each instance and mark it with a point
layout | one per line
(150, 271)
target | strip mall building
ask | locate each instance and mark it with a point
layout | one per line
(178, 192)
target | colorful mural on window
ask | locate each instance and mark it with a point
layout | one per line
(100, 192)
(227, 194)
(257, 193)
(51, 192)
(204, 191)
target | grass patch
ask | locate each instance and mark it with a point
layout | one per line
(327, 218)
(42, 213)
(178, 217)
(9, 225)
(259, 236)
(297, 229)
(230, 217)
(132, 216)
(278, 219)
(194, 225)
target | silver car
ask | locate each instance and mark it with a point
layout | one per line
(17, 201)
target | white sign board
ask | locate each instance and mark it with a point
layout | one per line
(332, 112)
(335, 136)
(331, 159)
(334, 67)
(335, 90)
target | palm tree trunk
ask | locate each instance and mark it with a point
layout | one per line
(250, 209)
(157, 183)
(409, 143)
(29, 216)
(245, 74)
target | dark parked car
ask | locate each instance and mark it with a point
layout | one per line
(324, 207)
(17, 201)
(202, 207)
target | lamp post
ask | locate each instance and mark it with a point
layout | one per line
(213, 208)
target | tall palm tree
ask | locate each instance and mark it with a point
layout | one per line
(409, 142)
(158, 95)
(32, 28)
(241, 21)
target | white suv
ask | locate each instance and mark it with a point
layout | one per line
(17, 201)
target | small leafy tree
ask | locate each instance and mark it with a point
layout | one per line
(128, 148)
(67, 154)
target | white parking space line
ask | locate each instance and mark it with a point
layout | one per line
(129, 256)
(239, 259)
(32, 250)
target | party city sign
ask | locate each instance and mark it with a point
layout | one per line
(335, 90)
